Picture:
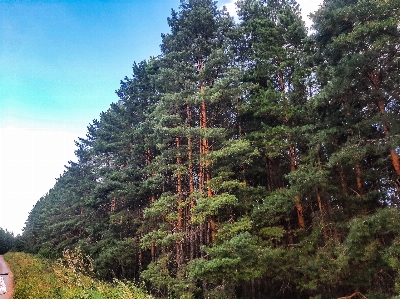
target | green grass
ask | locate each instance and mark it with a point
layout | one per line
(37, 278)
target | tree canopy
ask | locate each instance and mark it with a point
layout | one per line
(6, 241)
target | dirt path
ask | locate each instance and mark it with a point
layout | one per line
(9, 279)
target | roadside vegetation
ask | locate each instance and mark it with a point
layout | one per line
(66, 278)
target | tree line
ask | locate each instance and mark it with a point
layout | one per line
(6, 241)
(247, 160)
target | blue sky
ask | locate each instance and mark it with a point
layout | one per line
(60, 64)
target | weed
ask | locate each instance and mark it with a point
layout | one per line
(65, 279)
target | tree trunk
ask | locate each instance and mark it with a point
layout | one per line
(359, 180)
(322, 216)
(342, 179)
(293, 165)
(191, 231)
(299, 207)
(178, 244)
(140, 259)
(270, 171)
(179, 185)
(395, 161)
(152, 200)
(204, 149)
(396, 165)
(203, 124)
(190, 153)
(376, 82)
(113, 204)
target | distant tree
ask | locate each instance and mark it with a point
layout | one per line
(6, 241)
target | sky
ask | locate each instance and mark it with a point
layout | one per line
(60, 64)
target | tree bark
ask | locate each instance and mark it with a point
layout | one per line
(179, 184)
(355, 294)
(359, 180)
(299, 207)
(376, 81)
(321, 210)
(342, 179)
(152, 200)
(178, 244)
(204, 149)
(190, 153)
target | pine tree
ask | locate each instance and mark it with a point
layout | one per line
(192, 116)
(358, 40)
(276, 37)
(357, 126)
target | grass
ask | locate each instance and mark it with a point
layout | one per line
(37, 278)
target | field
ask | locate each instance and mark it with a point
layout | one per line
(65, 279)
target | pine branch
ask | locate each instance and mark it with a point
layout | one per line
(381, 139)
(365, 141)
(354, 295)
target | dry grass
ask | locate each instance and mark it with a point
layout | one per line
(37, 278)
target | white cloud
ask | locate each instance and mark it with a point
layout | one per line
(230, 7)
(30, 162)
(307, 7)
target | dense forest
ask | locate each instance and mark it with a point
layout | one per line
(6, 241)
(250, 159)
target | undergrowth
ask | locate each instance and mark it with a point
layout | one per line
(38, 278)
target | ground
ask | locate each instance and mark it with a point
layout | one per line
(9, 279)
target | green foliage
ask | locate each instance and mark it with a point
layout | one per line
(231, 229)
(208, 207)
(239, 258)
(6, 241)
